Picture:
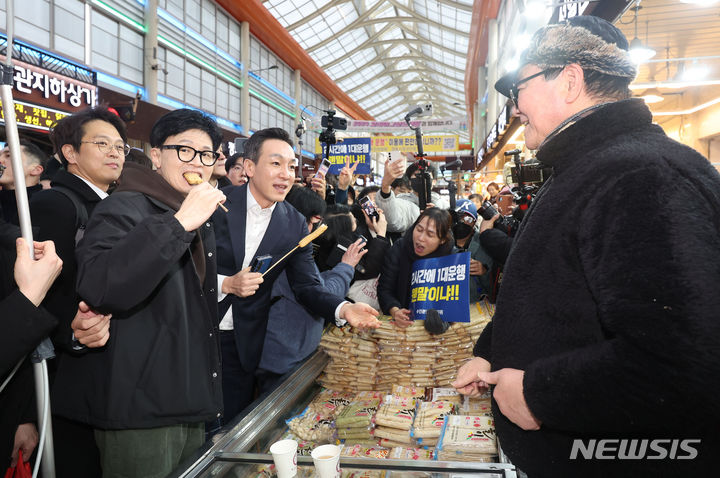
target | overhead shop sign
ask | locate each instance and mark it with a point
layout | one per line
(431, 125)
(43, 96)
(432, 143)
(39, 86)
(34, 116)
(347, 151)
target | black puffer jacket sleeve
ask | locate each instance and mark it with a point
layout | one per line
(496, 243)
(387, 289)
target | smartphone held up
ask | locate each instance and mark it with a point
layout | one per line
(323, 169)
(369, 207)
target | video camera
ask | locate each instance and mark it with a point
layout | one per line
(532, 172)
(331, 123)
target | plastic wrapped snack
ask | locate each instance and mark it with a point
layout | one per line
(395, 416)
(358, 414)
(312, 426)
(476, 406)
(362, 451)
(355, 473)
(409, 392)
(403, 453)
(470, 435)
(394, 434)
(388, 443)
(329, 402)
(431, 418)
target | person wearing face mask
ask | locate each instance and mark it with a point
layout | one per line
(430, 236)
(467, 239)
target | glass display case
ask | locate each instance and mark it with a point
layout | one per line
(242, 447)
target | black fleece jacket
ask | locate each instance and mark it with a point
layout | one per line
(610, 300)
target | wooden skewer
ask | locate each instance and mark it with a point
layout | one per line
(303, 242)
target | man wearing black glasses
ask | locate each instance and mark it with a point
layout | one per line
(604, 350)
(91, 145)
(148, 258)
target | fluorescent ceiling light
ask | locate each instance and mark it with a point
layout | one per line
(673, 84)
(690, 110)
(695, 72)
(700, 3)
(653, 95)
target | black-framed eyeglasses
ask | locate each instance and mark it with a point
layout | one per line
(105, 147)
(514, 87)
(187, 154)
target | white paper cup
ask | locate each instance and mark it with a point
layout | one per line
(284, 453)
(327, 461)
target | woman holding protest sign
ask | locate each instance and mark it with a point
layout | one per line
(430, 236)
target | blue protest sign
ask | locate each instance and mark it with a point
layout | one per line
(350, 150)
(441, 283)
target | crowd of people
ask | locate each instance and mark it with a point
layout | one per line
(144, 277)
(182, 335)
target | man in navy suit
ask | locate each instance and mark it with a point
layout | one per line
(259, 222)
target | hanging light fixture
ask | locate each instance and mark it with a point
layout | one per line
(638, 51)
(652, 95)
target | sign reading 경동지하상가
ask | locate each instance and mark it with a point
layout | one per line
(441, 283)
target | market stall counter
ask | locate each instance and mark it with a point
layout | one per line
(243, 447)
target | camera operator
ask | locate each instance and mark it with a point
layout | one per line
(466, 239)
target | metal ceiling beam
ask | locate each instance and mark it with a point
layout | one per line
(271, 33)
(426, 20)
(428, 84)
(388, 63)
(357, 23)
(394, 43)
(387, 110)
(316, 14)
(459, 6)
(364, 20)
(403, 72)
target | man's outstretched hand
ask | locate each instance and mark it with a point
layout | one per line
(361, 316)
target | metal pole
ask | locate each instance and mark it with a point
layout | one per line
(45, 349)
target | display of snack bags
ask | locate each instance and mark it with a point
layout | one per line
(408, 357)
(312, 426)
(430, 419)
(467, 438)
(362, 451)
(402, 453)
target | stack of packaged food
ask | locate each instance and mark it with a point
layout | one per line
(408, 356)
(317, 422)
(429, 421)
(356, 422)
(468, 438)
(410, 423)
(393, 421)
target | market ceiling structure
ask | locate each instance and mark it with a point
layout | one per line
(686, 39)
(387, 55)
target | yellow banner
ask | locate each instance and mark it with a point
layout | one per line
(432, 143)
